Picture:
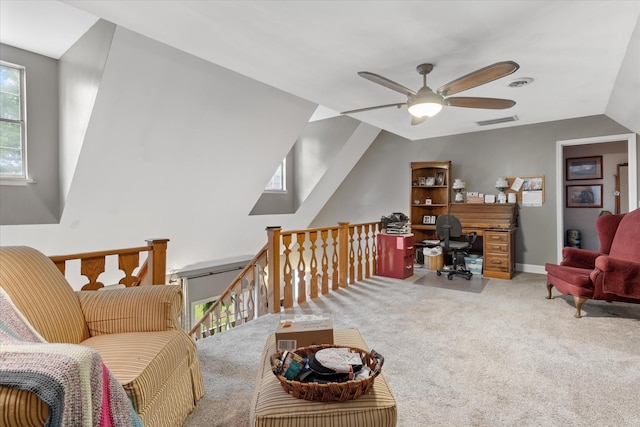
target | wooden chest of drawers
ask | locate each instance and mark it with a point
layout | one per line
(499, 253)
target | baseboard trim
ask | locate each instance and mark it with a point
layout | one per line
(531, 268)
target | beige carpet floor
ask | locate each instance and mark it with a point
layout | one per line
(461, 353)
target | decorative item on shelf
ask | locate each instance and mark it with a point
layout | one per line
(416, 202)
(427, 201)
(431, 181)
(501, 185)
(475, 197)
(458, 188)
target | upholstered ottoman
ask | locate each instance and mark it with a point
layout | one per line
(272, 406)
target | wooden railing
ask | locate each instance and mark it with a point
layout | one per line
(93, 264)
(293, 266)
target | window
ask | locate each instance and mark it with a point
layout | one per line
(278, 181)
(12, 122)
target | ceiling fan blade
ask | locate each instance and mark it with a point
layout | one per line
(479, 77)
(386, 83)
(360, 110)
(489, 103)
(417, 120)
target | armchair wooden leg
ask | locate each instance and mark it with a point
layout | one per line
(549, 287)
(579, 301)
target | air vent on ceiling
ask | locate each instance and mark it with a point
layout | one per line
(496, 121)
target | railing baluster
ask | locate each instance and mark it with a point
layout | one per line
(92, 268)
(359, 230)
(302, 282)
(313, 265)
(287, 272)
(335, 264)
(324, 262)
(127, 263)
(367, 270)
(351, 256)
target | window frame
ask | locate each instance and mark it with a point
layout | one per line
(283, 179)
(15, 179)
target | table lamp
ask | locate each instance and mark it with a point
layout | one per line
(458, 188)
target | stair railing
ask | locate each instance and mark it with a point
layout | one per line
(93, 264)
(293, 266)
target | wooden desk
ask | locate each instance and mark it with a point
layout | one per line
(496, 223)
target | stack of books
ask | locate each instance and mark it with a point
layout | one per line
(398, 228)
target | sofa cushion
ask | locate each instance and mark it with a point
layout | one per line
(42, 294)
(626, 243)
(142, 362)
(137, 309)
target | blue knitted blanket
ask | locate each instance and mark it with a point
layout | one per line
(71, 379)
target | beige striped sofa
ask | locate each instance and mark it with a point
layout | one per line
(135, 330)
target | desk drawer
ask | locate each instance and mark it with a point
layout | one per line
(496, 262)
(491, 247)
(496, 237)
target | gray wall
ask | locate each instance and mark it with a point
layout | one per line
(37, 202)
(380, 182)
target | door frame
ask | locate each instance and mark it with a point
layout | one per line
(632, 155)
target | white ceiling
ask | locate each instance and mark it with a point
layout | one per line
(313, 49)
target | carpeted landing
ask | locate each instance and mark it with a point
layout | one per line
(460, 353)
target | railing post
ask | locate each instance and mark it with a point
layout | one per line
(157, 262)
(343, 253)
(273, 263)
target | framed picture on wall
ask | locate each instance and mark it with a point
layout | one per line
(584, 168)
(584, 196)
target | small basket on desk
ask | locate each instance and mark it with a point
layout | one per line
(332, 391)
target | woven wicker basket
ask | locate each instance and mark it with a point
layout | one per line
(434, 262)
(330, 392)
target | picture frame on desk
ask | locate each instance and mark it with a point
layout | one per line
(429, 219)
(431, 181)
(439, 178)
(422, 181)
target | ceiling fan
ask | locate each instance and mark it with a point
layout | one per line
(426, 103)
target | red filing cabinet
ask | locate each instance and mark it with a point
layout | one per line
(395, 255)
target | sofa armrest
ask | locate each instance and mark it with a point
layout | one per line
(580, 258)
(136, 309)
(620, 277)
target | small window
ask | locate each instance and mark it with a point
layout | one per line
(278, 181)
(12, 122)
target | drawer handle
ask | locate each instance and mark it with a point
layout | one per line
(409, 247)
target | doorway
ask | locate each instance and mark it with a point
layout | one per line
(632, 178)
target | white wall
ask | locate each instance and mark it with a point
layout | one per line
(173, 149)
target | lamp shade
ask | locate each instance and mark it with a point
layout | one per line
(458, 184)
(425, 104)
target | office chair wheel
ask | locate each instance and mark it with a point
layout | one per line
(439, 273)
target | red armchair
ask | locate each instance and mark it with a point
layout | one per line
(611, 274)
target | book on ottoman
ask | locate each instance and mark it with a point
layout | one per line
(303, 330)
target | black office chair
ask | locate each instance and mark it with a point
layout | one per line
(448, 227)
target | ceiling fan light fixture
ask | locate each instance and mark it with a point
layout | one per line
(425, 104)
